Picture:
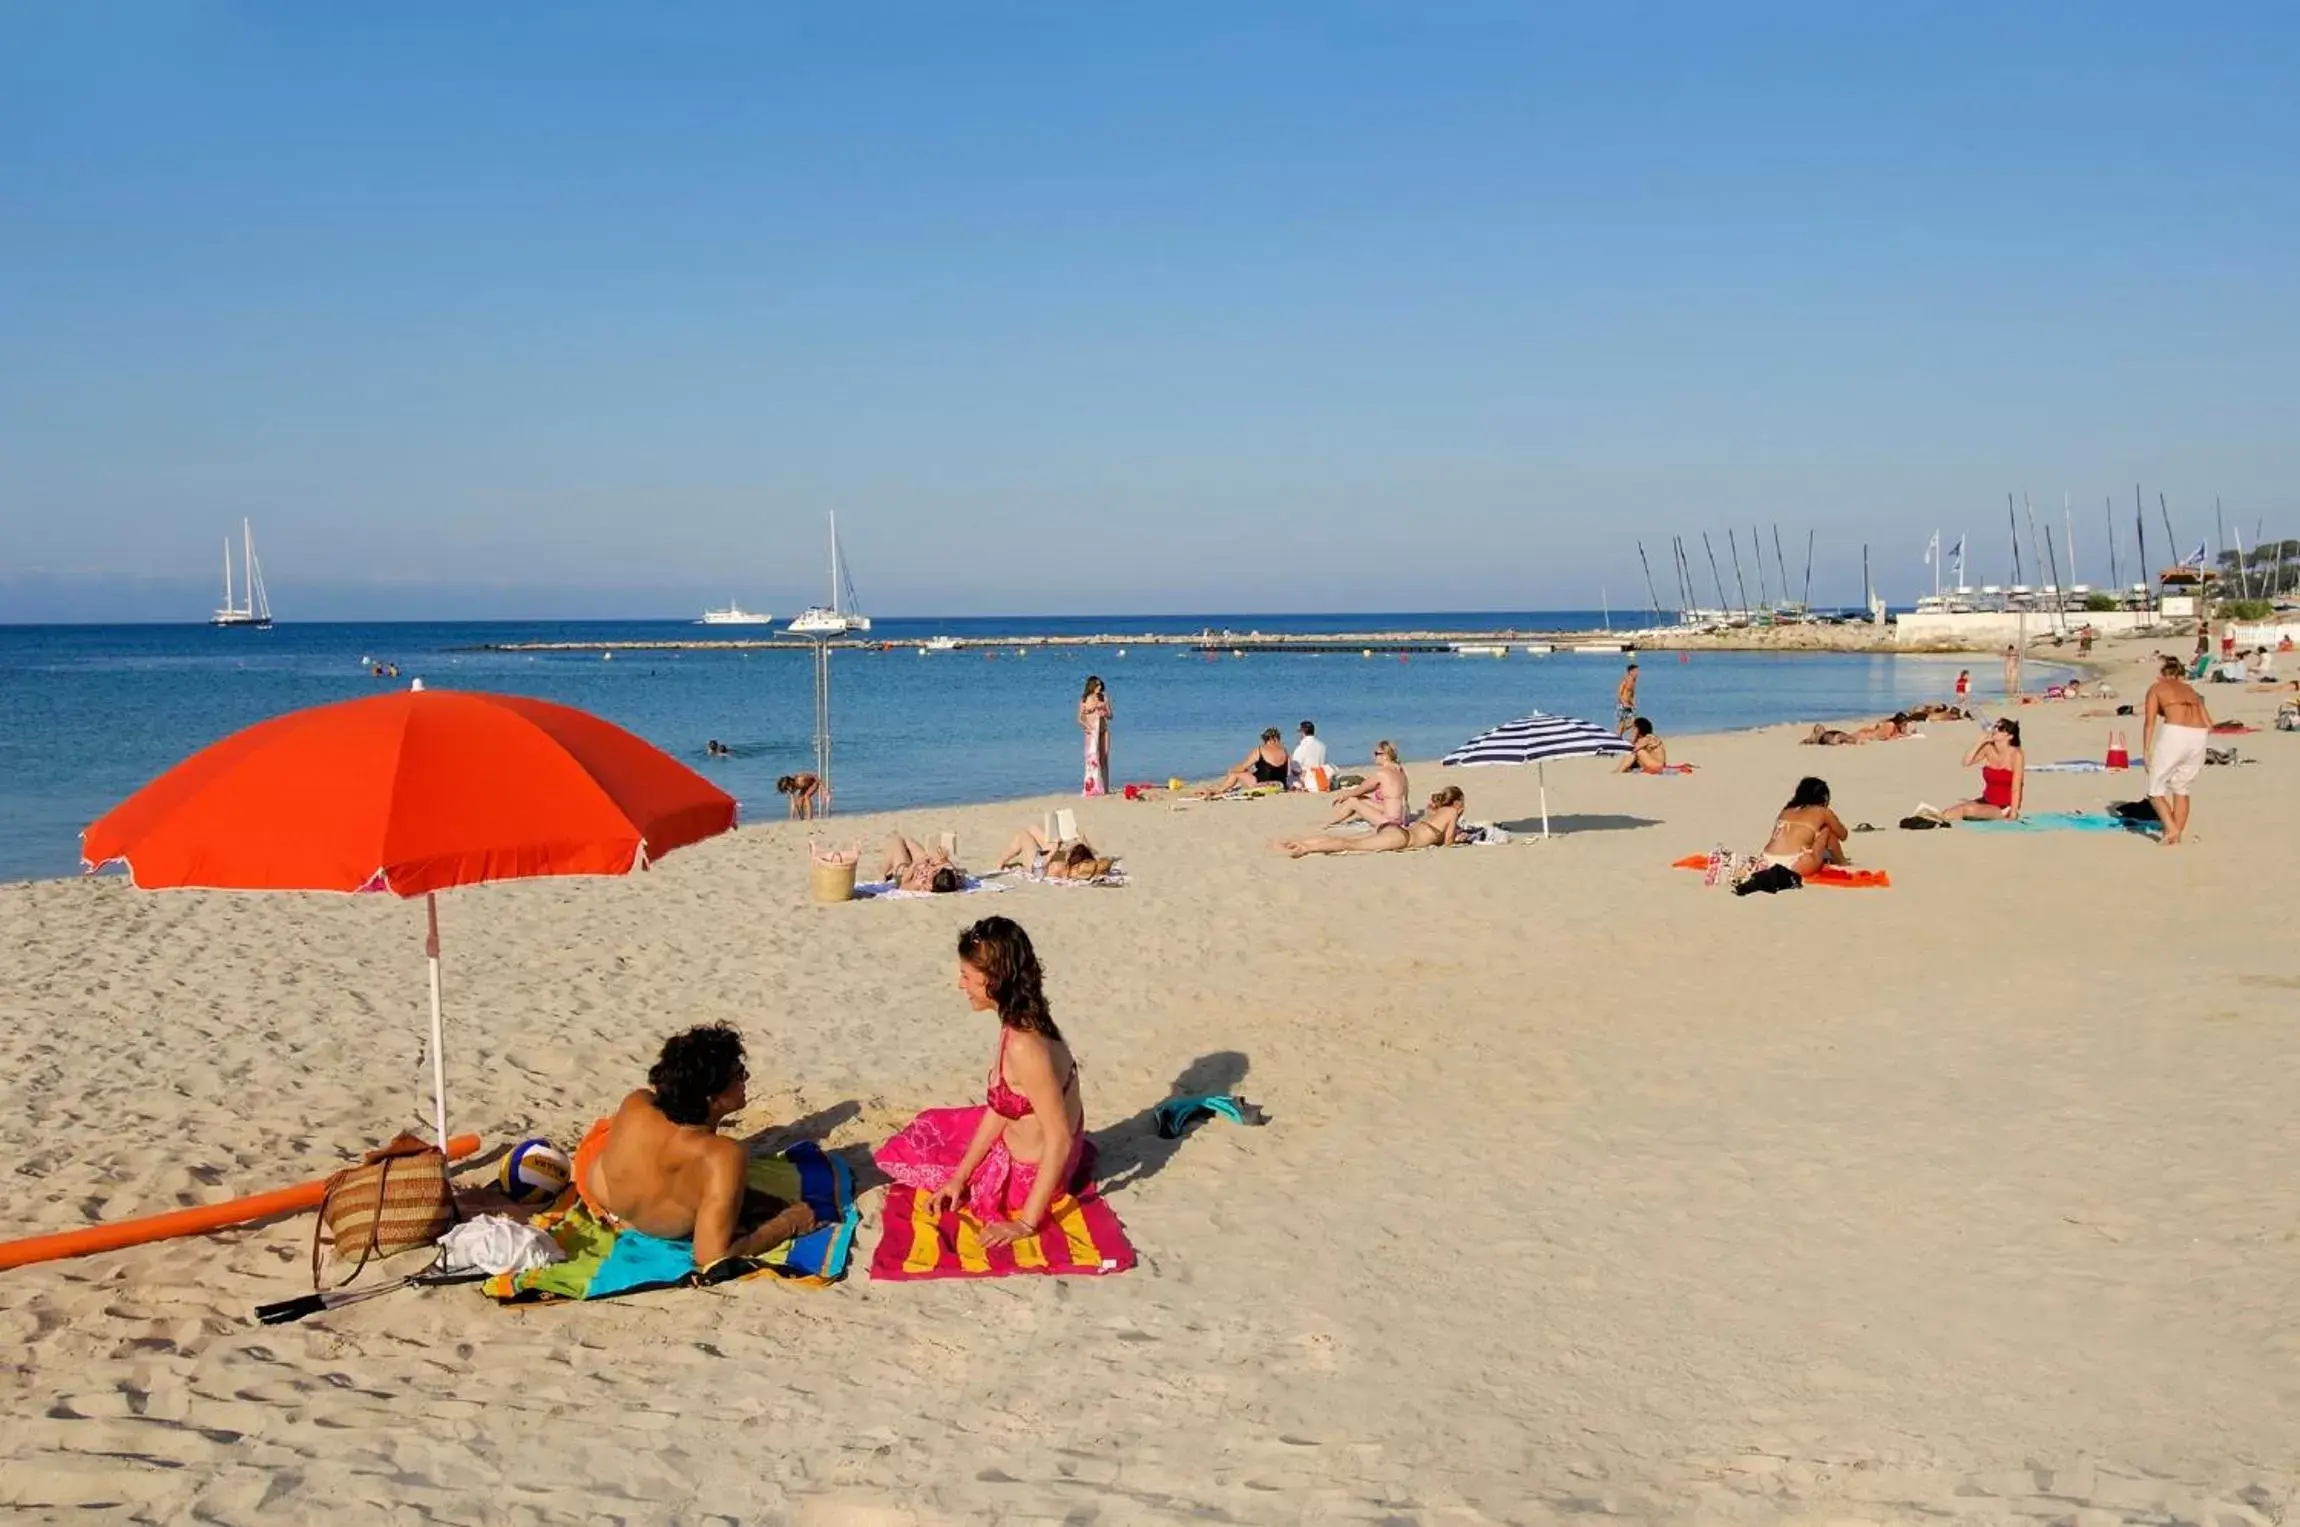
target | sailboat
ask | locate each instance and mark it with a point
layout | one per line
(257, 611)
(838, 618)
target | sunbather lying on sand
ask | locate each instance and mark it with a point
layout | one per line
(1807, 834)
(662, 1168)
(1891, 729)
(1054, 859)
(912, 866)
(1434, 828)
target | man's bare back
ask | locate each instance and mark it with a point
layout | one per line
(654, 1175)
(664, 1169)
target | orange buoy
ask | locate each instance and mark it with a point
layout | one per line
(194, 1221)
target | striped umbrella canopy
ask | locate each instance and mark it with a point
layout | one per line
(1535, 740)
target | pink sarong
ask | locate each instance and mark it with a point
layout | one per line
(926, 1151)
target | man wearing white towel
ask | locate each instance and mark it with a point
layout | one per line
(1309, 756)
(2176, 751)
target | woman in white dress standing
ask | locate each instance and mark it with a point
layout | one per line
(1094, 722)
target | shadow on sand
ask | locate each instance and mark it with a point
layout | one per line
(1131, 1149)
(1560, 824)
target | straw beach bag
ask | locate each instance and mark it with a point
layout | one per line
(396, 1199)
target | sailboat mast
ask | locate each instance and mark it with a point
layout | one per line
(1808, 600)
(227, 575)
(1650, 592)
(1780, 566)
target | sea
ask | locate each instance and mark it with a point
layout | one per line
(89, 713)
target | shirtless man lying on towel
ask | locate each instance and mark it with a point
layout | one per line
(662, 1168)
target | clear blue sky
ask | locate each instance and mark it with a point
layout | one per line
(565, 309)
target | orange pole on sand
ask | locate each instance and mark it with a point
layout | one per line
(195, 1221)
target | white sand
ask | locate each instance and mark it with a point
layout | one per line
(1586, 1189)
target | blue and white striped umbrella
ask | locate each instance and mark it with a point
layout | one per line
(1535, 740)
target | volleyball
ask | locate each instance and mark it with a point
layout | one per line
(534, 1172)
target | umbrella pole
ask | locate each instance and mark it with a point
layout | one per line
(438, 1059)
(1540, 772)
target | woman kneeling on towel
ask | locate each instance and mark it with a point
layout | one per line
(1008, 1159)
(2004, 776)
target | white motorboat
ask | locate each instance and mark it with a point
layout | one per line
(735, 615)
(938, 644)
(256, 611)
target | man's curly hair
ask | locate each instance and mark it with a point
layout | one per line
(694, 1068)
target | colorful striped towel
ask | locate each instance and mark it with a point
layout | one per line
(885, 890)
(816, 1259)
(1079, 1235)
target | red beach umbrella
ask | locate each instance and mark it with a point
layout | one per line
(413, 792)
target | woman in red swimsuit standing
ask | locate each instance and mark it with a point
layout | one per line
(1009, 1158)
(2004, 776)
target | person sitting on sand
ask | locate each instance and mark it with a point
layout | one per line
(1807, 834)
(1434, 828)
(660, 1166)
(1647, 753)
(1052, 859)
(1264, 765)
(1006, 1160)
(1380, 800)
(804, 790)
(2004, 777)
(912, 866)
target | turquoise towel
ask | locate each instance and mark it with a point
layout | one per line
(640, 1260)
(2057, 821)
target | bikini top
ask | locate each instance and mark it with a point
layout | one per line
(1004, 1100)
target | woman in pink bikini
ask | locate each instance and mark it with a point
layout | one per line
(2004, 777)
(1008, 1159)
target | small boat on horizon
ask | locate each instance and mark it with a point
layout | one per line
(735, 615)
(257, 611)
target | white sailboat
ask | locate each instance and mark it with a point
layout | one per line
(735, 615)
(257, 611)
(838, 618)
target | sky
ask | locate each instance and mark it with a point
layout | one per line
(563, 310)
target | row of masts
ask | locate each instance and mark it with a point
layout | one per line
(1689, 609)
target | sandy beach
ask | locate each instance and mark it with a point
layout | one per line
(1586, 1189)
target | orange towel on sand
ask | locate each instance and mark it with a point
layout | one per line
(1828, 875)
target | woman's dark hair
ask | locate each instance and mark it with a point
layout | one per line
(1641, 727)
(1093, 683)
(1270, 734)
(1810, 792)
(999, 948)
(947, 879)
(787, 783)
(2010, 728)
(1450, 796)
(1079, 853)
(694, 1068)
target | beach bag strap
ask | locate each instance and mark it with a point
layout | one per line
(380, 1211)
(326, 1221)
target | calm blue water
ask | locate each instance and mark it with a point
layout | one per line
(88, 713)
